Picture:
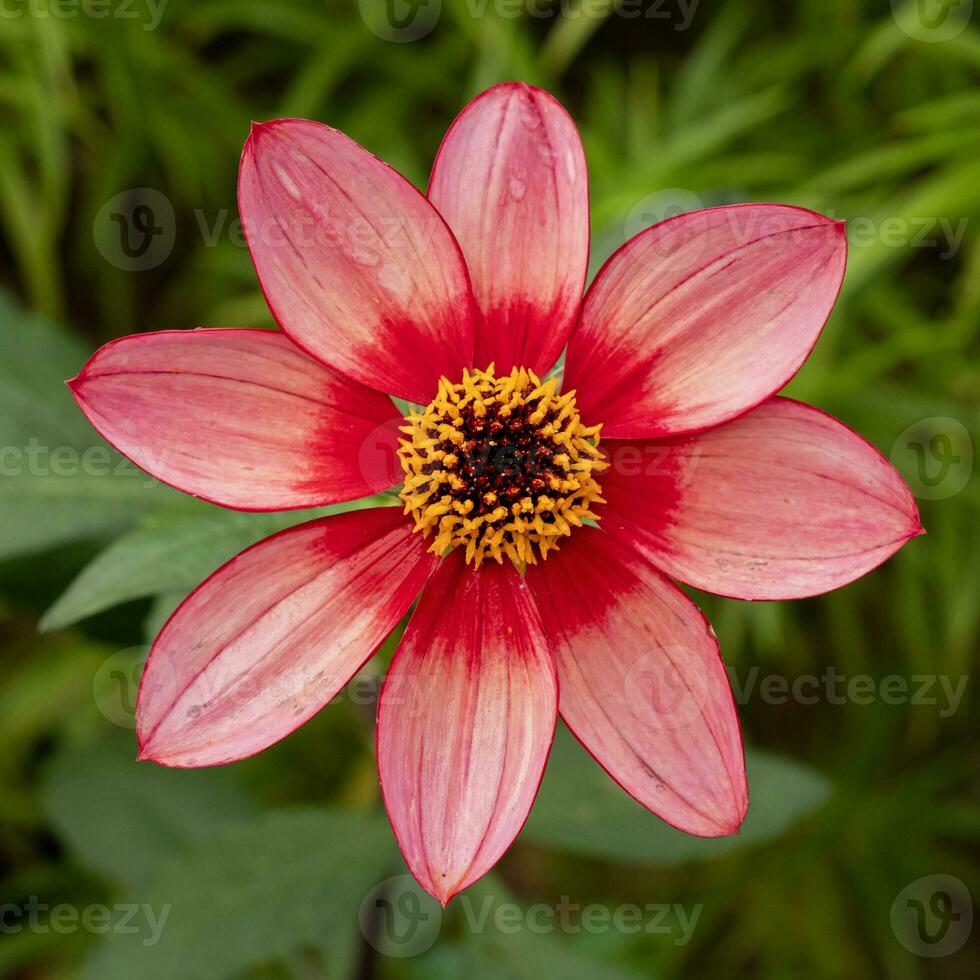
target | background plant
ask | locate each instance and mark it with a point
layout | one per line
(839, 105)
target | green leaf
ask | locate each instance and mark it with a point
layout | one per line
(58, 481)
(515, 957)
(570, 34)
(43, 681)
(161, 609)
(123, 818)
(580, 809)
(45, 684)
(263, 890)
(510, 940)
(172, 553)
(39, 511)
(36, 358)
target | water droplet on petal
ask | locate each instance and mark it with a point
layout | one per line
(366, 257)
(571, 164)
(517, 188)
(287, 182)
(546, 153)
(394, 278)
(530, 118)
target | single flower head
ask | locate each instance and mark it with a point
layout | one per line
(544, 513)
(500, 466)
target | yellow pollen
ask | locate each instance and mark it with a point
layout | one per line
(502, 467)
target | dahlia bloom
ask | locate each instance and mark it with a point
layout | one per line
(544, 559)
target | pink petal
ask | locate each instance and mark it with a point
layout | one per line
(264, 643)
(781, 503)
(356, 265)
(642, 683)
(465, 723)
(242, 418)
(703, 316)
(510, 179)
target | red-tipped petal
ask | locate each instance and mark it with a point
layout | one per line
(357, 266)
(510, 179)
(642, 683)
(703, 316)
(465, 723)
(781, 503)
(273, 635)
(242, 418)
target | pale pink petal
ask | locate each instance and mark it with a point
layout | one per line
(703, 316)
(780, 503)
(510, 179)
(465, 723)
(242, 418)
(356, 265)
(642, 683)
(264, 643)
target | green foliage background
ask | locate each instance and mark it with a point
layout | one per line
(832, 104)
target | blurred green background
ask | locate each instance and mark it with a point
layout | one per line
(861, 794)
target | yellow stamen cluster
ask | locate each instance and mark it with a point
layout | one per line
(500, 466)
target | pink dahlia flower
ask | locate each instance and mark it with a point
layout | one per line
(543, 562)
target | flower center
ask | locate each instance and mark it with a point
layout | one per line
(500, 466)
